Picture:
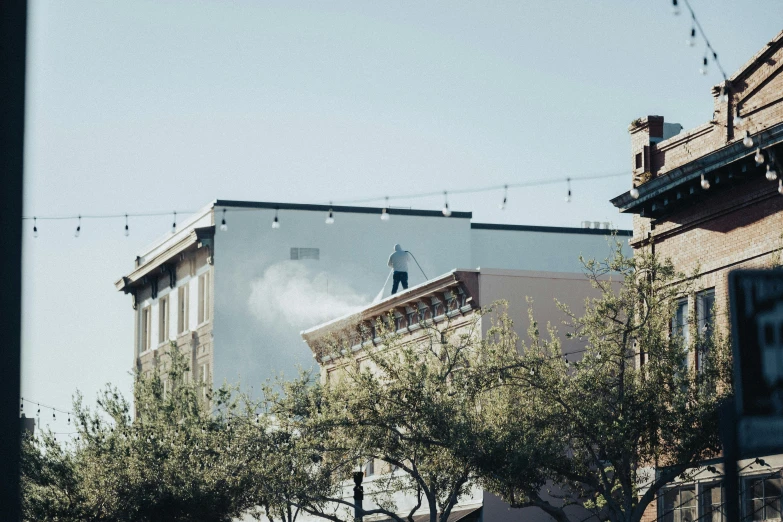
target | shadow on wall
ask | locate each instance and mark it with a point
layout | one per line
(291, 294)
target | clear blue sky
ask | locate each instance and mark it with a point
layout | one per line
(155, 106)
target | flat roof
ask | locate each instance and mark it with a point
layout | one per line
(338, 208)
(559, 230)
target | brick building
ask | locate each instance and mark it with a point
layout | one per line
(711, 199)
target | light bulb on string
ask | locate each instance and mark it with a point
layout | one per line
(724, 96)
(385, 211)
(35, 226)
(771, 174)
(127, 230)
(446, 211)
(505, 198)
(330, 217)
(223, 225)
(675, 8)
(704, 69)
(747, 140)
(758, 157)
(705, 184)
(78, 228)
(780, 186)
(568, 195)
(38, 413)
(634, 193)
(690, 42)
(174, 224)
(738, 120)
(276, 221)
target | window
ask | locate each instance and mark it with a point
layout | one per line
(679, 505)
(203, 298)
(305, 253)
(712, 503)
(163, 319)
(182, 309)
(763, 498)
(680, 321)
(146, 329)
(638, 159)
(705, 305)
(369, 468)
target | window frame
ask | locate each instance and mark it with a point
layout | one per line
(183, 309)
(145, 333)
(748, 500)
(163, 319)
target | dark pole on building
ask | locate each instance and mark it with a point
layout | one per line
(728, 429)
(13, 37)
(358, 496)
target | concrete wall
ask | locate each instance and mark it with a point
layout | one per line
(263, 299)
(538, 250)
(543, 287)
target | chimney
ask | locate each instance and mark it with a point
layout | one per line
(644, 133)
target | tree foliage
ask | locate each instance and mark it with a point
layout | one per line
(633, 402)
(172, 459)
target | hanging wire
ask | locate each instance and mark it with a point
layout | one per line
(695, 24)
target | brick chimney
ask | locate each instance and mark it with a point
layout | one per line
(644, 132)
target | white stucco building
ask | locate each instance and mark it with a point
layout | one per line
(236, 299)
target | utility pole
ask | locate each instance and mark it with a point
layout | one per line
(358, 496)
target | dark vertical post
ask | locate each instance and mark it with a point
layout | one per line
(728, 433)
(13, 38)
(358, 496)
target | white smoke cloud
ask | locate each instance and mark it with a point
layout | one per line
(292, 294)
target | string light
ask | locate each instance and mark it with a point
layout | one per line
(747, 140)
(445, 209)
(330, 217)
(738, 120)
(174, 224)
(35, 226)
(568, 182)
(704, 183)
(690, 42)
(384, 211)
(505, 197)
(758, 157)
(276, 222)
(223, 225)
(771, 174)
(780, 187)
(704, 69)
(634, 193)
(78, 228)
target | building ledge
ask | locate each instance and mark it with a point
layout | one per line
(727, 166)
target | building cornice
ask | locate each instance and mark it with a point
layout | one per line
(683, 183)
(197, 238)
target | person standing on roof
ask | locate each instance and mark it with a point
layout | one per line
(398, 261)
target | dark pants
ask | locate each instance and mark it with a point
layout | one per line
(399, 277)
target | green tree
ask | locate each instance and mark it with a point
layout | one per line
(173, 459)
(598, 425)
(401, 406)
